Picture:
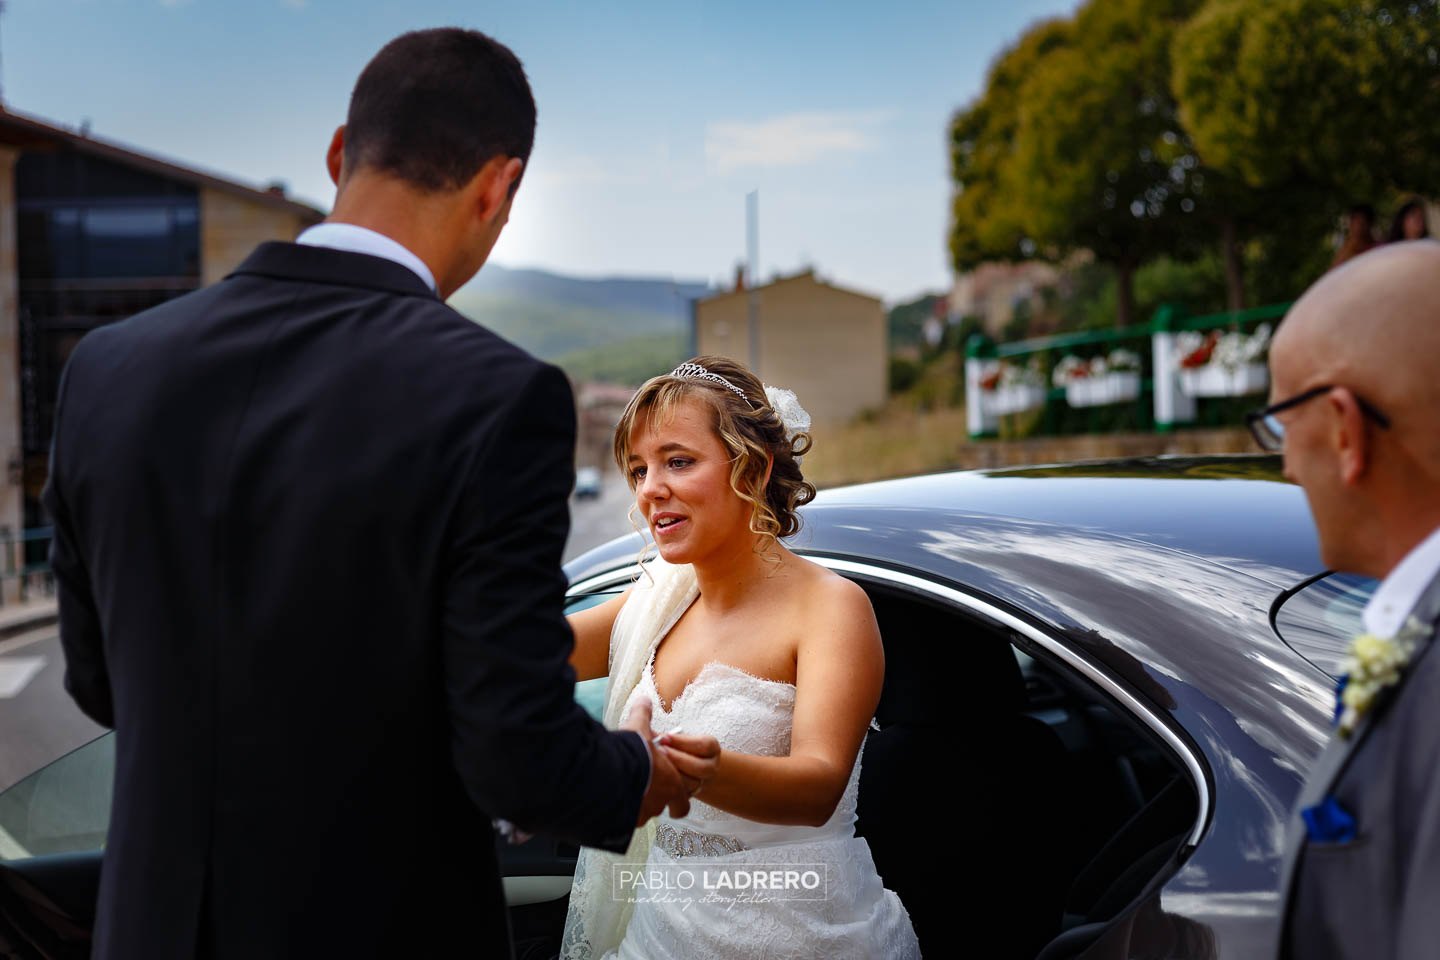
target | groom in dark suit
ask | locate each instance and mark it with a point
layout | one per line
(308, 525)
(1356, 404)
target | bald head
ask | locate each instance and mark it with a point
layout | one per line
(1373, 325)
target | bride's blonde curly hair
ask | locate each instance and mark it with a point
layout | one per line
(752, 433)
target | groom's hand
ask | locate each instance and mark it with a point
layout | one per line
(667, 787)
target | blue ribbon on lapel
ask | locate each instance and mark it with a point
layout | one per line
(1339, 703)
(1328, 822)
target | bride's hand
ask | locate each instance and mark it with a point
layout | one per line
(696, 757)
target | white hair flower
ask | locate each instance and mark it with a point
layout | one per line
(792, 415)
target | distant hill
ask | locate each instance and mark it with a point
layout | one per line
(620, 329)
(626, 294)
(631, 361)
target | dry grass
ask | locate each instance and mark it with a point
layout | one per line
(899, 441)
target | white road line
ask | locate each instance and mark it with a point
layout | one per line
(16, 672)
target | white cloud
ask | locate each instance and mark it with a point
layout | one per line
(789, 140)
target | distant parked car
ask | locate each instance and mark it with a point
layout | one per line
(587, 482)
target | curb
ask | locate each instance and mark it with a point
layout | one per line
(32, 621)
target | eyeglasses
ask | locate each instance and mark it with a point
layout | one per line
(1269, 432)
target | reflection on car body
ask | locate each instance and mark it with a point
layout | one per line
(1087, 652)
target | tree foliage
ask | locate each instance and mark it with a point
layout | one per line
(905, 322)
(1100, 147)
(1183, 128)
(1336, 95)
(988, 216)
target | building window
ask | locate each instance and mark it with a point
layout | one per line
(97, 241)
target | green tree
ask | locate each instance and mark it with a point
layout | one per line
(906, 321)
(1334, 98)
(987, 215)
(1101, 158)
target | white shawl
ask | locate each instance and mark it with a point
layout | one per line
(600, 906)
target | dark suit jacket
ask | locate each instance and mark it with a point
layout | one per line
(308, 526)
(1376, 897)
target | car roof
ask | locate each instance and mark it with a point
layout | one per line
(1235, 511)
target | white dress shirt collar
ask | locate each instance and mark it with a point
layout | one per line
(1400, 591)
(347, 236)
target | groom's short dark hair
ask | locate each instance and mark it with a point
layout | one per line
(434, 106)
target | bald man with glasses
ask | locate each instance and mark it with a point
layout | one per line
(1355, 409)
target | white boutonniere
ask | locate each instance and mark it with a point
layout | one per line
(1375, 664)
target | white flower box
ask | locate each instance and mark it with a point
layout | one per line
(1013, 399)
(1216, 380)
(1098, 391)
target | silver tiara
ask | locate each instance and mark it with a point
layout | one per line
(693, 371)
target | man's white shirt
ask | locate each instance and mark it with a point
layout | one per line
(347, 236)
(1402, 587)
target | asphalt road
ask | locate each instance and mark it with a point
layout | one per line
(38, 720)
(595, 521)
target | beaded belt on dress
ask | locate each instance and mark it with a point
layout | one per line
(685, 842)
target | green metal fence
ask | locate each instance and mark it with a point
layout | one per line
(1181, 370)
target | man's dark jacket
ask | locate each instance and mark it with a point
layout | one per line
(308, 526)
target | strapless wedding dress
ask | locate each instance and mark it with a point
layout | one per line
(822, 896)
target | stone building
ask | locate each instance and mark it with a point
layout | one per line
(826, 343)
(90, 233)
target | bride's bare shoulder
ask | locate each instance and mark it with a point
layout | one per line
(829, 597)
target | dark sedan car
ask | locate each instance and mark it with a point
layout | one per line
(1104, 683)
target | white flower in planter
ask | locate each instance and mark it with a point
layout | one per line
(1026, 376)
(1235, 350)
(1122, 360)
(1069, 369)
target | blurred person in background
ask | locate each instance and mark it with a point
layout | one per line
(1359, 233)
(1409, 222)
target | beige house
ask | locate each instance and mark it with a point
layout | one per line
(92, 232)
(826, 343)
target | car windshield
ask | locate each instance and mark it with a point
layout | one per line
(1319, 620)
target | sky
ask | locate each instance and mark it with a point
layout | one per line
(655, 119)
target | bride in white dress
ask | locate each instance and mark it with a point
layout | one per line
(730, 635)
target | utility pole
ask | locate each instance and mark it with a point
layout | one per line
(752, 255)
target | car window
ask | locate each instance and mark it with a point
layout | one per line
(1319, 620)
(64, 807)
(591, 693)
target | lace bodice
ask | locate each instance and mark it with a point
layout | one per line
(746, 714)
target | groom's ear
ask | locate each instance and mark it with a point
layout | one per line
(335, 156)
(493, 186)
